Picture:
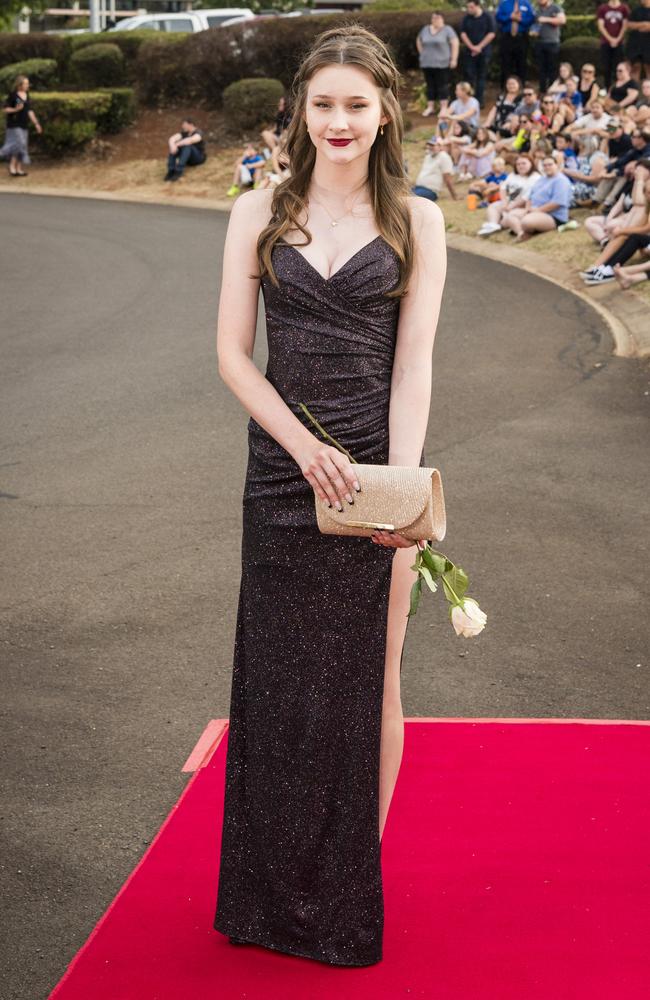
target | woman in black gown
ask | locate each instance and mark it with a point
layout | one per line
(351, 270)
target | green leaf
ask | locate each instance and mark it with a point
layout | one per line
(437, 563)
(416, 593)
(426, 573)
(455, 583)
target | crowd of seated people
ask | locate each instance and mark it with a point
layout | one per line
(534, 157)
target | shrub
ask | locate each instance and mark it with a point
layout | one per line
(69, 120)
(16, 48)
(121, 111)
(582, 25)
(579, 50)
(251, 101)
(204, 64)
(41, 72)
(159, 69)
(99, 65)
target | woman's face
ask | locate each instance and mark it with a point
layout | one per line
(512, 85)
(25, 84)
(565, 71)
(437, 21)
(460, 93)
(343, 112)
(523, 166)
(588, 71)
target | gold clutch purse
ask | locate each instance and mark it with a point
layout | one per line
(393, 497)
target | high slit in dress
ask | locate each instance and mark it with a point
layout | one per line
(300, 866)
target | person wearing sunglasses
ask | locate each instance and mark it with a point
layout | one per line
(529, 102)
(623, 91)
(588, 85)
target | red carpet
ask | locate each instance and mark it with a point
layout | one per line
(516, 866)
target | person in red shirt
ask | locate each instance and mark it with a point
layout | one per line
(611, 18)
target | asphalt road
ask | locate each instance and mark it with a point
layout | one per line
(122, 465)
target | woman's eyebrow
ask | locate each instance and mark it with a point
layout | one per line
(358, 97)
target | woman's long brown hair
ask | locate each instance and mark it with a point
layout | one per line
(387, 183)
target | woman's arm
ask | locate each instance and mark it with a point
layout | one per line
(489, 118)
(410, 393)
(35, 122)
(454, 46)
(237, 319)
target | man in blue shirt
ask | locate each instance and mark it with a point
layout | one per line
(476, 33)
(514, 18)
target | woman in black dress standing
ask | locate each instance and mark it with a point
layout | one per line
(351, 269)
(19, 113)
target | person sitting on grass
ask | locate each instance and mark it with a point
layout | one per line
(587, 173)
(186, 147)
(633, 273)
(488, 187)
(437, 169)
(476, 159)
(559, 86)
(546, 208)
(456, 141)
(565, 154)
(624, 212)
(513, 192)
(279, 165)
(272, 136)
(248, 170)
(628, 240)
(503, 108)
(465, 108)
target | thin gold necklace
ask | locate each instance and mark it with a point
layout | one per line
(333, 221)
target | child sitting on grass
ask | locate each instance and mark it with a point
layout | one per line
(487, 188)
(248, 170)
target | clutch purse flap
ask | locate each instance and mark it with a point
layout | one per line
(408, 499)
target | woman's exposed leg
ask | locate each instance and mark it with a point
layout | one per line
(392, 725)
(537, 222)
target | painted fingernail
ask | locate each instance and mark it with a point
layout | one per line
(339, 505)
(348, 497)
(356, 486)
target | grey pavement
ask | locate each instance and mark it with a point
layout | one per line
(122, 466)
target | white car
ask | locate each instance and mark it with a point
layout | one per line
(190, 20)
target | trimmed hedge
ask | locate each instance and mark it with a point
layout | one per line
(581, 49)
(69, 120)
(16, 48)
(100, 65)
(42, 73)
(202, 65)
(248, 102)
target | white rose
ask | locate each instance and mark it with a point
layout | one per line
(468, 620)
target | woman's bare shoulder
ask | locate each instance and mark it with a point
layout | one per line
(252, 210)
(426, 216)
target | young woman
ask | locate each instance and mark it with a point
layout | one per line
(465, 107)
(457, 140)
(271, 136)
(476, 159)
(545, 208)
(559, 86)
(438, 45)
(351, 268)
(504, 107)
(588, 86)
(19, 114)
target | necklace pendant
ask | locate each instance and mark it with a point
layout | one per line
(334, 223)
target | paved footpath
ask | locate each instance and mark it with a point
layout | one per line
(122, 465)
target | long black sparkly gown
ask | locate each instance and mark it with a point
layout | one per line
(300, 859)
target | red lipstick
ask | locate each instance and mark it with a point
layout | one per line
(339, 142)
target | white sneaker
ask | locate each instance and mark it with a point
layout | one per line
(603, 274)
(488, 228)
(589, 273)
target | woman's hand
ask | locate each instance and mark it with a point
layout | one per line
(393, 540)
(330, 474)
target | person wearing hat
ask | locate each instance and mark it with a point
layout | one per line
(437, 169)
(618, 141)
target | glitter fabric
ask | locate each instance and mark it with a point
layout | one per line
(300, 859)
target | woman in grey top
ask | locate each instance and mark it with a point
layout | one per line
(437, 44)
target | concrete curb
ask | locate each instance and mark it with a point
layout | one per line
(625, 313)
